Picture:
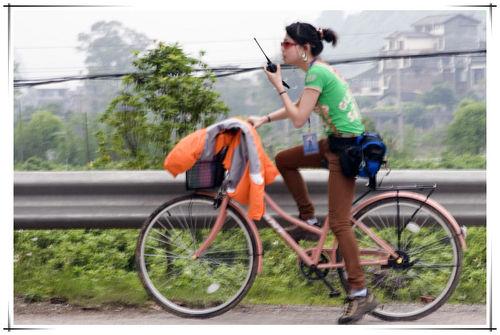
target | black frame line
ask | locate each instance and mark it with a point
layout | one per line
(8, 44)
(9, 327)
(491, 286)
(448, 328)
(9, 6)
(490, 6)
(61, 6)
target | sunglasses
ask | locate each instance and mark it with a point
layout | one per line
(286, 44)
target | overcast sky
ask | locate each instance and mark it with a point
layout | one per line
(44, 39)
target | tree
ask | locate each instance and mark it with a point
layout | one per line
(440, 95)
(78, 145)
(467, 132)
(163, 100)
(39, 138)
(109, 48)
(369, 124)
(110, 45)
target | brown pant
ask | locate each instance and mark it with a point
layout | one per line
(340, 197)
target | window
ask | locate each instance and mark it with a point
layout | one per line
(404, 63)
(463, 75)
(441, 44)
(478, 75)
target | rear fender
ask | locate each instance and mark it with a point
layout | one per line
(410, 195)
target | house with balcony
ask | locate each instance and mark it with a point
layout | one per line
(406, 78)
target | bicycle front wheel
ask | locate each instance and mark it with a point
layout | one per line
(431, 257)
(203, 287)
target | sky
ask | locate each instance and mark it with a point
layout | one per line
(226, 36)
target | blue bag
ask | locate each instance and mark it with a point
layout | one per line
(373, 151)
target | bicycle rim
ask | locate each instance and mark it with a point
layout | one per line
(431, 253)
(202, 287)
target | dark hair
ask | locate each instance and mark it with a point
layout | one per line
(304, 33)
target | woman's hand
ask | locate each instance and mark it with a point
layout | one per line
(257, 121)
(275, 78)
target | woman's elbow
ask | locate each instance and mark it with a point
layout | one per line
(299, 123)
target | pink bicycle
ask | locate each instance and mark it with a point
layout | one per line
(198, 255)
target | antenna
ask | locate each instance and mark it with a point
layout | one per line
(270, 66)
(268, 60)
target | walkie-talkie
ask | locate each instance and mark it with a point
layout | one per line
(271, 67)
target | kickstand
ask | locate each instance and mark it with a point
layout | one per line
(333, 292)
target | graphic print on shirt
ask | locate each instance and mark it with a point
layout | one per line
(336, 105)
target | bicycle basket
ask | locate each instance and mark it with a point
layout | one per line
(206, 174)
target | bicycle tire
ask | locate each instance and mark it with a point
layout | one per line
(168, 303)
(456, 267)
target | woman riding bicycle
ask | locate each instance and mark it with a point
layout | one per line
(326, 93)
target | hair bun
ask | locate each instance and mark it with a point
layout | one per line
(330, 36)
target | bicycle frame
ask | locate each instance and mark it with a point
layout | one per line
(311, 257)
(311, 260)
(316, 251)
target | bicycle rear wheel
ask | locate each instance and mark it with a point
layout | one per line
(203, 287)
(431, 257)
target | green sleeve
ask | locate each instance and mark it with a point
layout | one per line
(315, 79)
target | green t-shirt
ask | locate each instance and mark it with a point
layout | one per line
(336, 105)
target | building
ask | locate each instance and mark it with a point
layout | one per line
(403, 79)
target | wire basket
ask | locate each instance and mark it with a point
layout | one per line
(205, 175)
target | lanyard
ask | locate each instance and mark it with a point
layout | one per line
(312, 63)
(309, 118)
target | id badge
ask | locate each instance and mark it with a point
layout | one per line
(310, 144)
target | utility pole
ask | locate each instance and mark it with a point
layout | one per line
(87, 151)
(398, 108)
(87, 138)
(20, 111)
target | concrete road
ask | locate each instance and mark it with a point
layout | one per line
(61, 314)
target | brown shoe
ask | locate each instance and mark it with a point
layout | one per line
(356, 308)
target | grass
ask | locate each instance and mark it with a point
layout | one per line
(95, 267)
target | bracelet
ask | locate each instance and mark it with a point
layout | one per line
(268, 119)
(282, 92)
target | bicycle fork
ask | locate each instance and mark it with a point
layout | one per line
(221, 218)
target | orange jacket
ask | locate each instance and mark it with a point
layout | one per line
(249, 168)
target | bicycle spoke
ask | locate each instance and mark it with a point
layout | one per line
(421, 265)
(428, 246)
(172, 228)
(429, 263)
(189, 286)
(166, 243)
(225, 251)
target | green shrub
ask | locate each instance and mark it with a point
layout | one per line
(92, 267)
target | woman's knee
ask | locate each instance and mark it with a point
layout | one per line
(339, 224)
(281, 160)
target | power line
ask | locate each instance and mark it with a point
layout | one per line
(252, 61)
(229, 70)
(243, 40)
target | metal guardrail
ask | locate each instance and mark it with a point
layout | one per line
(124, 199)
